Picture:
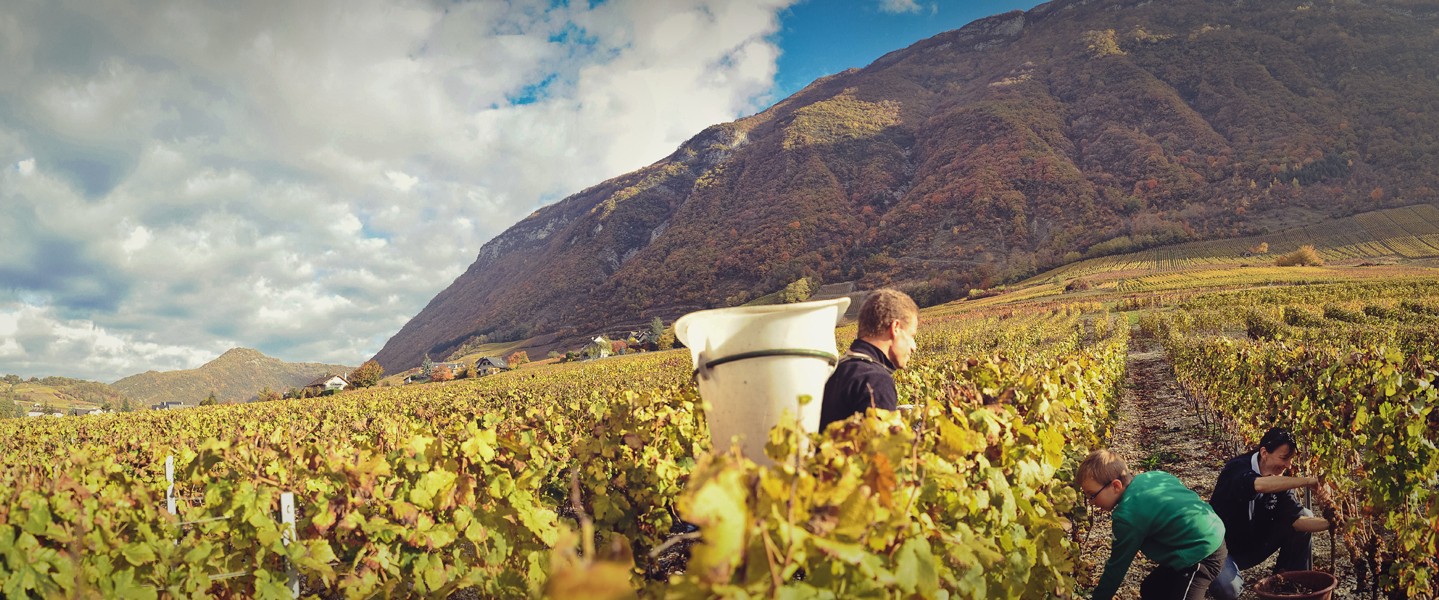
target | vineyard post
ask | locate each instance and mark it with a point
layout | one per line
(170, 479)
(287, 516)
(1309, 506)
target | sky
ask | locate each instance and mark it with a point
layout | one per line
(178, 178)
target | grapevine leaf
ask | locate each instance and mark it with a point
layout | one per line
(717, 504)
(915, 569)
(138, 553)
(431, 485)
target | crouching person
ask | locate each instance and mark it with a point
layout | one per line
(1153, 512)
(1256, 500)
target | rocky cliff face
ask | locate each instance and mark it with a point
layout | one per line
(1018, 142)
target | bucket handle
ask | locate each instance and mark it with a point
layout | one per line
(710, 365)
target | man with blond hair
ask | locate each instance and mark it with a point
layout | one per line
(864, 377)
(1155, 513)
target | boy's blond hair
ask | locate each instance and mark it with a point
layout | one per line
(882, 307)
(1102, 467)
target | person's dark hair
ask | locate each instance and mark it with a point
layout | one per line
(1275, 438)
(882, 307)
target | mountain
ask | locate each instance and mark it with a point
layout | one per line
(237, 375)
(1017, 143)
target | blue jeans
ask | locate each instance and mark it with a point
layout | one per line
(1229, 584)
(1295, 552)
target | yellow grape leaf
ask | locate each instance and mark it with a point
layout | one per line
(539, 520)
(429, 486)
(597, 581)
(138, 554)
(324, 518)
(915, 568)
(957, 443)
(573, 576)
(850, 553)
(480, 445)
(717, 504)
(855, 514)
(880, 478)
(419, 445)
(433, 572)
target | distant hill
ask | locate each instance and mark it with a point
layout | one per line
(238, 375)
(1018, 143)
(59, 393)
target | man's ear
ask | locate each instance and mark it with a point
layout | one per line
(895, 327)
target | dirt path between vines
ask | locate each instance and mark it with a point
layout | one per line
(1159, 427)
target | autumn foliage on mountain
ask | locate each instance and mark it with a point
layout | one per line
(1017, 143)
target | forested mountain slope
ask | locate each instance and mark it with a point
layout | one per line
(1019, 142)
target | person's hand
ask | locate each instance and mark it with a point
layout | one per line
(1326, 505)
(1329, 516)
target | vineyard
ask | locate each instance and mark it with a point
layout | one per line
(1410, 232)
(1352, 371)
(597, 479)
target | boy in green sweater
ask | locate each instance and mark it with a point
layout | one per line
(1155, 513)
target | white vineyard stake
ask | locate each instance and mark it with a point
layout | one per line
(287, 516)
(170, 478)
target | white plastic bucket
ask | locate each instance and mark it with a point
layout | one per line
(754, 362)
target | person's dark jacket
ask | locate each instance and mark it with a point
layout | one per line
(858, 384)
(1248, 515)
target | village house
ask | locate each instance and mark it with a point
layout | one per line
(170, 404)
(37, 413)
(327, 383)
(598, 348)
(414, 375)
(454, 367)
(489, 365)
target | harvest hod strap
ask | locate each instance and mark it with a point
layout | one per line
(828, 357)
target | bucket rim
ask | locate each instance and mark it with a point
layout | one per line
(682, 324)
(771, 308)
(1333, 582)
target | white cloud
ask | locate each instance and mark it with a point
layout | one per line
(304, 177)
(35, 339)
(139, 238)
(402, 181)
(899, 6)
(10, 347)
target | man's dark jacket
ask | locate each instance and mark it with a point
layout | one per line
(1250, 516)
(858, 384)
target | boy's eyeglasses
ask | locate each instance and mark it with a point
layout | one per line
(1091, 497)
